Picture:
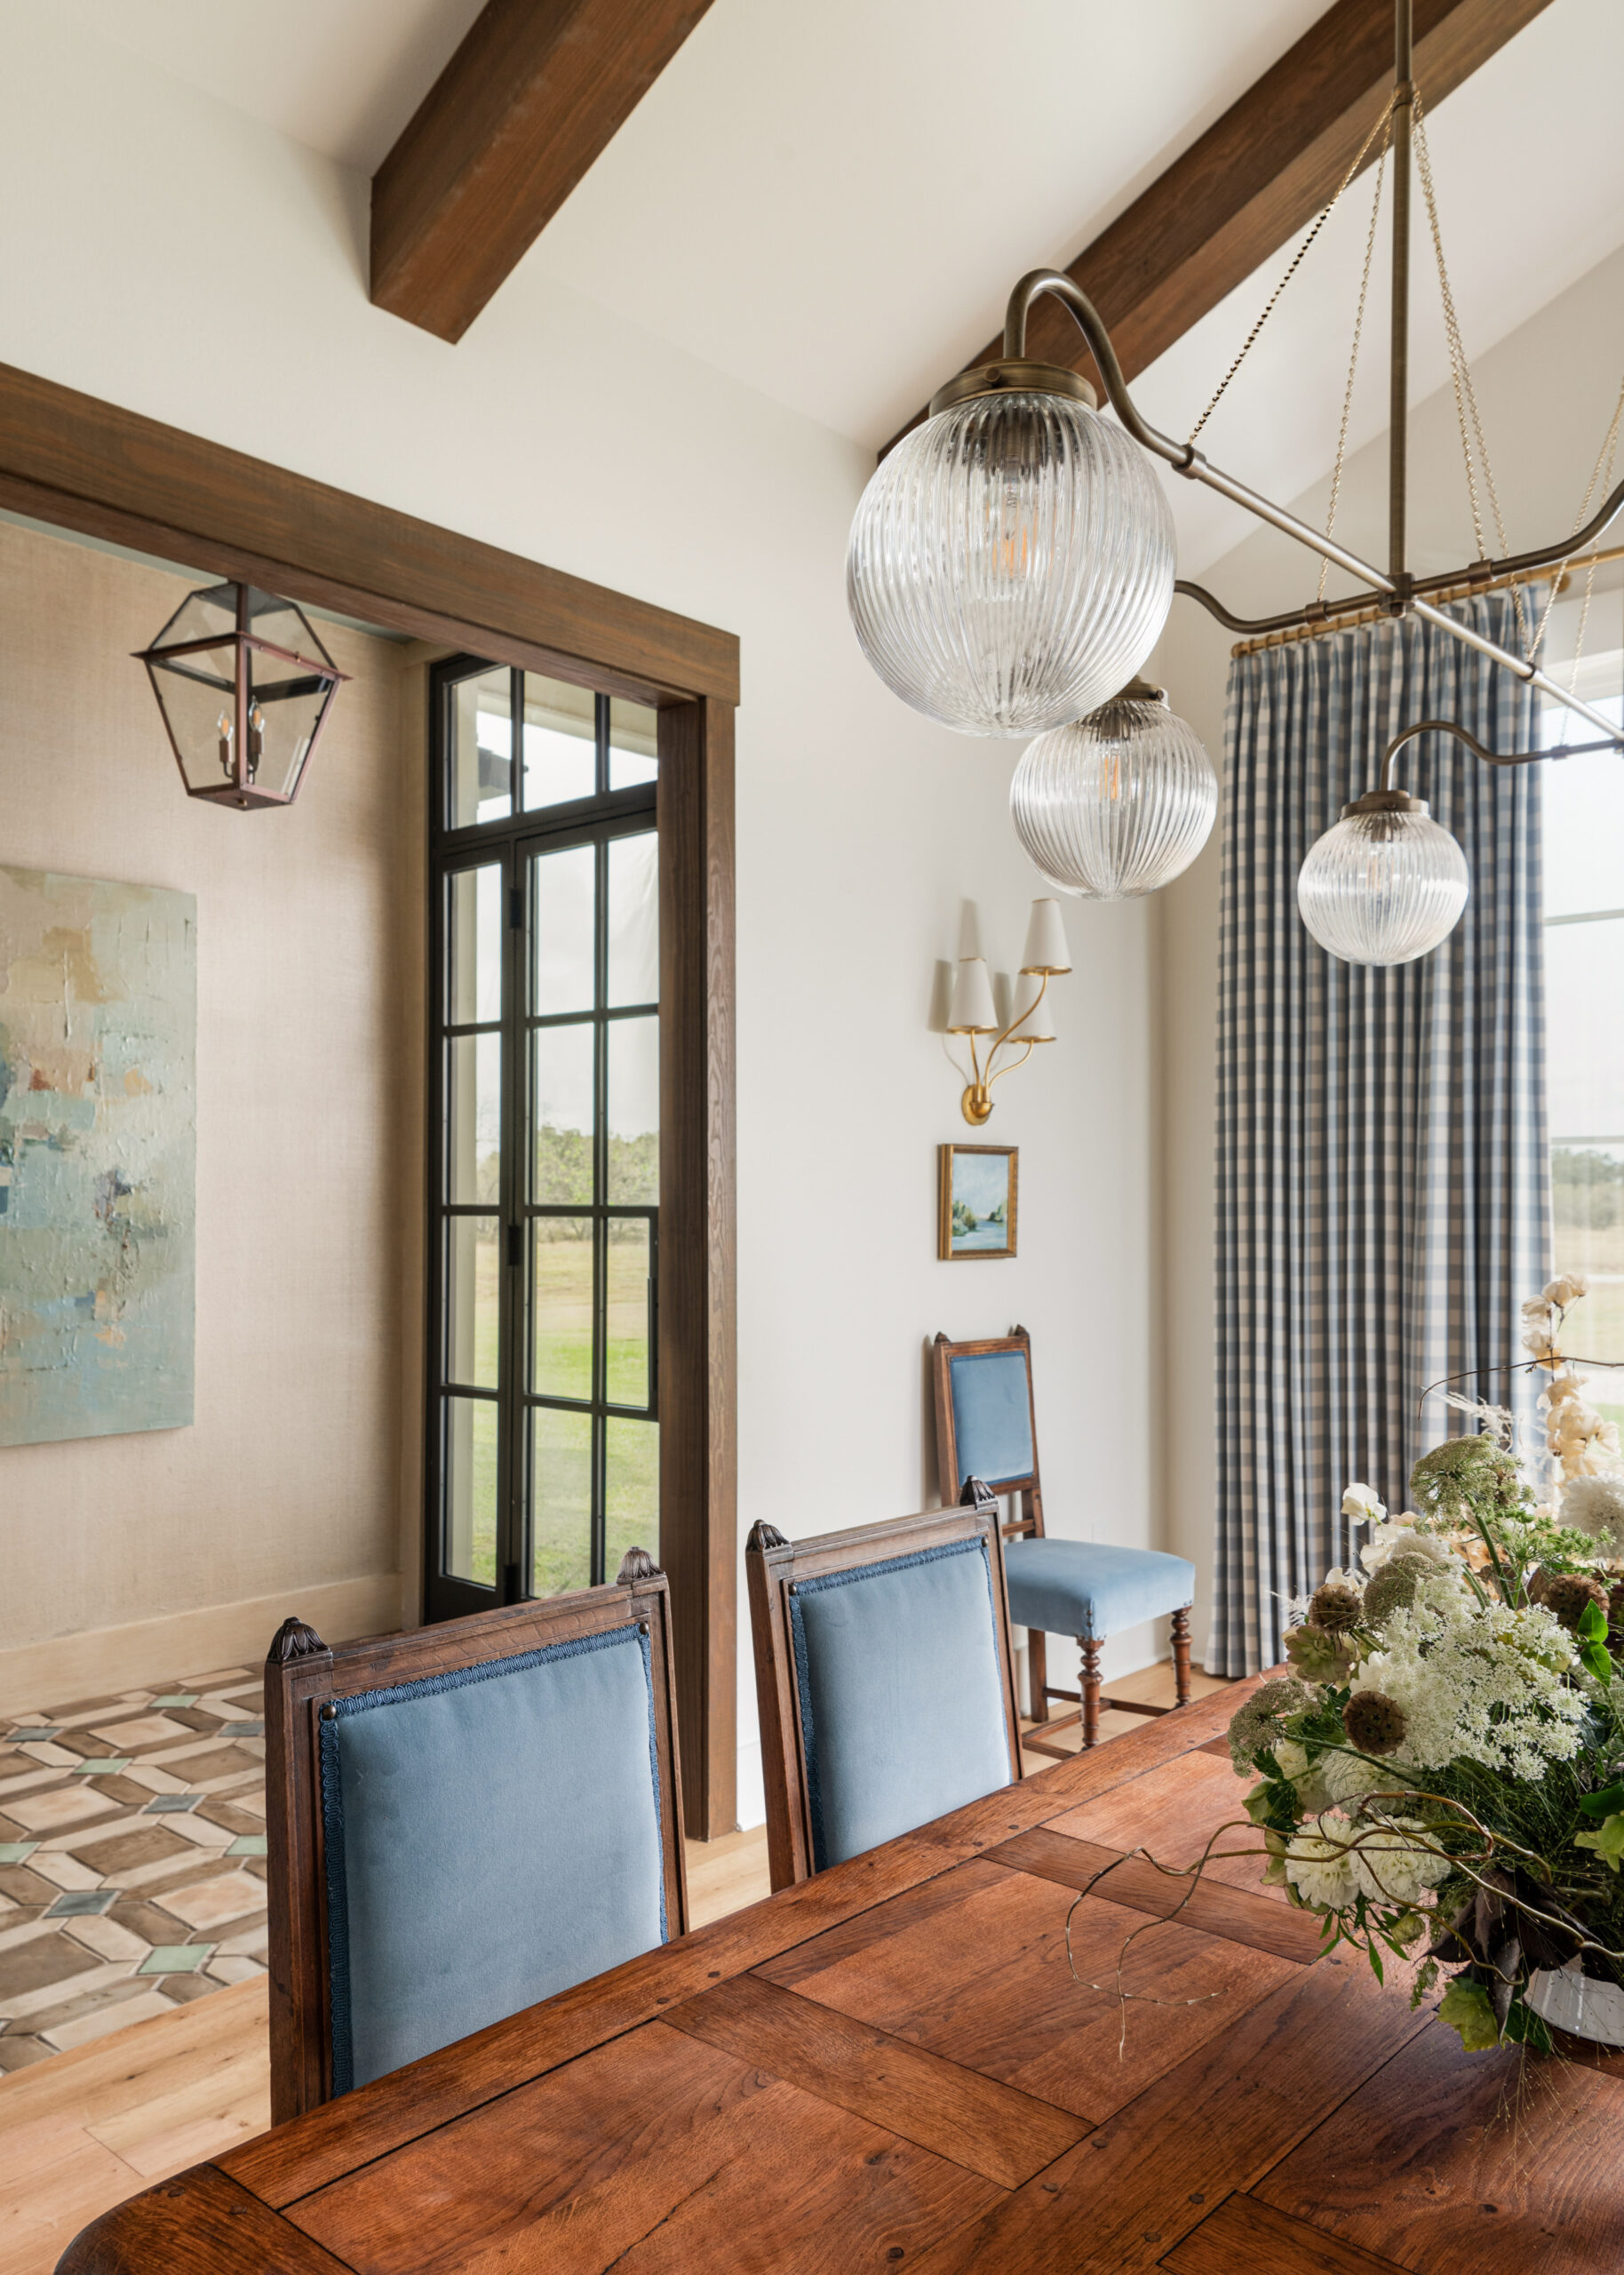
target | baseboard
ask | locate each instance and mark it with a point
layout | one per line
(104, 1659)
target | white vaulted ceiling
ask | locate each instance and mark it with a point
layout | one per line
(830, 203)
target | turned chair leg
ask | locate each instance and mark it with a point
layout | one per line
(1181, 1654)
(1090, 1651)
(1038, 1674)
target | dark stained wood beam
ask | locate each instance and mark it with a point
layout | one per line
(85, 465)
(1257, 176)
(536, 91)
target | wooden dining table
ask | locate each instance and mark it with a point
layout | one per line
(894, 2066)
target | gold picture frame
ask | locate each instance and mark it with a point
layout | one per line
(967, 1179)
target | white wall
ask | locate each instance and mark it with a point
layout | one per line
(1545, 393)
(569, 435)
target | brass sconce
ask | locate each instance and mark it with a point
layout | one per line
(972, 1011)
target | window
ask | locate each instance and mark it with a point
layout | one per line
(544, 1438)
(1584, 984)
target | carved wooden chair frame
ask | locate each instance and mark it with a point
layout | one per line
(303, 1675)
(1027, 1524)
(774, 1566)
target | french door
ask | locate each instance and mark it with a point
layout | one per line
(543, 1455)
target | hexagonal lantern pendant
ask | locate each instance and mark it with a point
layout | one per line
(245, 687)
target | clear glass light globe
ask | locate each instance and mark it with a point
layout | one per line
(1118, 803)
(1010, 563)
(1385, 885)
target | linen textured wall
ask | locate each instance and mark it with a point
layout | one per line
(1383, 1178)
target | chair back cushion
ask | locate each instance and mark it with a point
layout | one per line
(992, 1418)
(900, 1695)
(492, 1835)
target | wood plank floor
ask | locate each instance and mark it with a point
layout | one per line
(83, 2130)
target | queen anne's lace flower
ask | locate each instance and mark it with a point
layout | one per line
(1478, 1682)
(1320, 1863)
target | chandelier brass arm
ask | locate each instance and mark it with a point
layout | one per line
(1490, 757)
(1186, 460)
(1486, 573)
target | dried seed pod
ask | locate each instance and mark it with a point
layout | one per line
(1373, 1722)
(1335, 1607)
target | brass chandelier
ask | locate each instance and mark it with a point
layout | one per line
(1011, 565)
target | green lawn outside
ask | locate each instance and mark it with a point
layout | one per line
(562, 1443)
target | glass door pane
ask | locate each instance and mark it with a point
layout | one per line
(543, 1441)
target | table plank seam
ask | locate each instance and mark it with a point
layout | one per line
(661, 2011)
(776, 2013)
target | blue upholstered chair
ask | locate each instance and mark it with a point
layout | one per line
(464, 1820)
(987, 1433)
(884, 1681)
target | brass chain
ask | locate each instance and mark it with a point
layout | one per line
(1460, 375)
(1384, 121)
(1601, 474)
(1353, 360)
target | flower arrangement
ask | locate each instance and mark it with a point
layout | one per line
(1441, 1774)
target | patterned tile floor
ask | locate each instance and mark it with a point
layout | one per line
(131, 1858)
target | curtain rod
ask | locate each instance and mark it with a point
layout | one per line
(1375, 614)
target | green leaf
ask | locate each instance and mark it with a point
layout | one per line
(1375, 1962)
(1607, 1842)
(1467, 2008)
(1596, 1660)
(1593, 1624)
(1604, 1804)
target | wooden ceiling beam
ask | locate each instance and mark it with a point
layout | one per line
(1257, 176)
(536, 91)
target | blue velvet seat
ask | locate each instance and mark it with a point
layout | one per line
(497, 1822)
(883, 1682)
(986, 1439)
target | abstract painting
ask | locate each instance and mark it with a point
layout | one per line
(975, 1201)
(98, 1145)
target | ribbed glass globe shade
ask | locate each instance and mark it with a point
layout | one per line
(1010, 563)
(1116, 803)
(1383, 887)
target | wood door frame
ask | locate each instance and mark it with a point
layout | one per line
(77, 463)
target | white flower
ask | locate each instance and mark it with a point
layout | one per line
(1320, 1863)
(1563, 1291)
(1391, 1868)
(1348, 1777)
(1362, 1505)
(1595, 1504)
(1479, 1682)
(1399, 1536)
(1293, 1762)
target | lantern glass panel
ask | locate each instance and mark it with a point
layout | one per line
(285, 707)
(284, 625)
(206, 614)
(198, 695)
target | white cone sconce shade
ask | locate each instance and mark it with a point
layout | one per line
(972, 1010)
(1033, 1014)
(1116, 804)
(1046, 949)
(1010, 562)
(1386, 884)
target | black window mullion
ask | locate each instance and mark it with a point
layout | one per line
(600, 1193)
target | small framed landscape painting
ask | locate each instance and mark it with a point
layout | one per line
(975, 1202)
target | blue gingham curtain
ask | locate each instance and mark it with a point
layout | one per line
(1382, 1184)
